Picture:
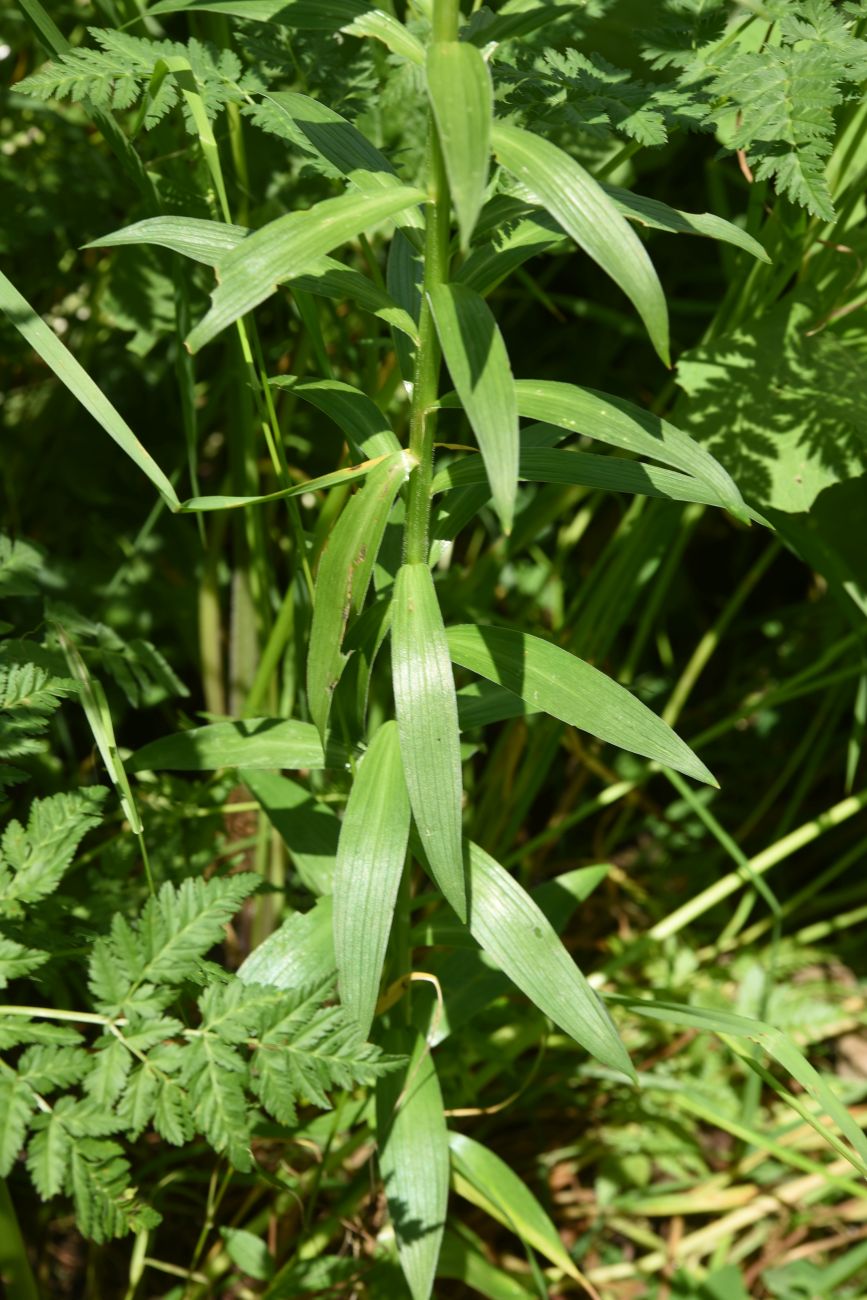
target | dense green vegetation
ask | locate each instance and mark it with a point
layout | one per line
(433, 680)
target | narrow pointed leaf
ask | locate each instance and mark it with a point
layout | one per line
(559, 683)
(308, 828)
(370, 861)
(479, 366)
(487, 1181)
(414, 1161)
(586, 213)
(299, 955)
(289, 247)
(317, 15)
(659, 216)
(620, 424)
(427, 723)
(462, 99)
(255, 742)
(514, 931)
(58, 358)
(366, 428)
(343, 578)
(381, 26)
(340, 478)
(203, 241)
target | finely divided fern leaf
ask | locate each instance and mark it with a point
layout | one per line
(34, 858)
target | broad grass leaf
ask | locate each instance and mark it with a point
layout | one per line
(506, 26)
(358, 417)
(315, 15)
(414, 1162)
(620, 424)
(482, 1178)
(659, 216)
(559, 683)
(586, 213)
(288, 247)
(462, 98)
(370, 860)
(463, 1258)
(382, 26)
(479, 366)
(427, 723)
(58, 358)
(780, 1048)
(299, 955)
(255, 742)
(343, 578)
(307, 827)
(338, 142)
(514, 931)
(203, 241)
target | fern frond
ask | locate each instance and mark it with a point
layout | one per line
(17, 1105)
(17, 961)
(33, 859)
(215, 1075)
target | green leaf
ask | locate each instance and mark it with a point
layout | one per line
(339, 478)
(552, 679)
(45, 342)
(479, 366)
(427, 724)
(414, 1161)
(255, 742)
(370, 862)
(48, 1154)
(288, 247)
(33, 860)
(248, 1252)
(586, 213)
(308, 828)
(620, 424)
(17, 1103)
(298, 955)
(483, 1178)
(203, 241)
(382, 26)
(312, 124)
(367, 430)
(317, 15)
(462, 99)
(463, 1258)
(659, 216)
(344, 574)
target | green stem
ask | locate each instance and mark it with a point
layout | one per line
(15, 1269)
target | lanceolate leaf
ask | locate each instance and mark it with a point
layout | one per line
(344, 575)
(515, 932)
(551, 679)
(308, 828)
(487, 1181)
(366, 428)
(586, 212)
(288, 247)
(370, 859)
(320, 15)
(659, 216)
(382, 26)
(427, 722)
(479, 366)
(414, 1161)
(255, 742)
(462, 98)
(340, 478)
(620, 424)
(45, 342)
(203, 241)
(298, 955)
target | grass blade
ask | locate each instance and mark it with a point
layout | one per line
(343, 578)
(367, 430)
(315, 15)
(207, 242)
(256, 742)
(58, 358)
(308, 828)
(427, 723)
(289, 247)
(298, 955)
(462, 98)
(370, 861)
(479, 366)
(339, 478)
(552, 679)
(620, 424)
(586, 213)
(414, 1161)
(659, 216)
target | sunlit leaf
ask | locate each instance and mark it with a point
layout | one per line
(461, 95)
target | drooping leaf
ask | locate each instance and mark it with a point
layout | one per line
(586, 213)
(256, 742)
(288, 247)
(317, 15)
(659, 216)
(382, 26)
(203, 241)
(343, 578)
(414, 1161)
(427, 723)
(58, 358)
(563, 685)
(479, 366)
(370, 861)
(308, 827)
(367, 430)
(339, 478)
(623, 425)
(462, 99)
